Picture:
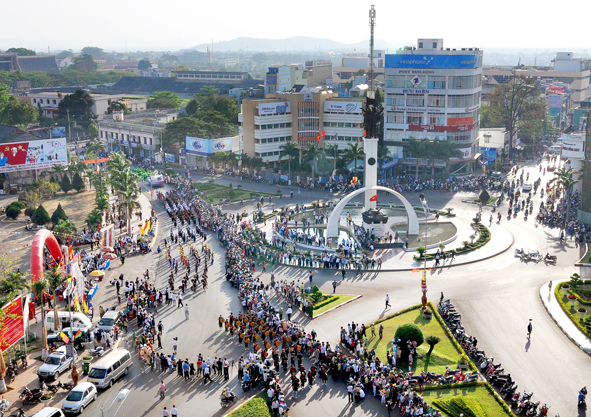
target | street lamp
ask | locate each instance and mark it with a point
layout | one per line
(120, 399)
(424, 277)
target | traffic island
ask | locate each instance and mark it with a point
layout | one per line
(478, 400)
(575, 299)
(256, 406)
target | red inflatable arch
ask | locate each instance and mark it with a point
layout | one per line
(43, 237)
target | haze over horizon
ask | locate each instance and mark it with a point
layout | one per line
(129, 26)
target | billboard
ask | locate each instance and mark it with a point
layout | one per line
(433, 61)
(488, 155)
(459, 121)
(13, 328)
(58, 132)
(266, 109)
(345, 107)
(437, 128)
(36, 154)
(555, 101)
(201, 146)
(169, 157)
(467, 155)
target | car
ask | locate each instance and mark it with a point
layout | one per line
(79, 397)
(496, 175)
(49, 412)
(110, 319)
(55, 339)
(55, 364)
(526, 188)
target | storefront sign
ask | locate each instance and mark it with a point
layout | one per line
(266, 109)
(467, 155)
(344, 107)
(436, 128)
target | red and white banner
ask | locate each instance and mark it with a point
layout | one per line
(12, 325)
(36, 154)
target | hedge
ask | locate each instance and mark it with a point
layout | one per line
(483, 239)
(325, 302)
(452, 386)
(584, 327)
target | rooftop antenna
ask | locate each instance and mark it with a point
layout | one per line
(372, 23)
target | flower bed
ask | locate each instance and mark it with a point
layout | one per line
(483, 238)
(255, 407)
(581, 306)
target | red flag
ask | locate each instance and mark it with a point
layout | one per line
(322, 133)
(374, 198)
(318, 137)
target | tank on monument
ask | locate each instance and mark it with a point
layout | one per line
(376, 221)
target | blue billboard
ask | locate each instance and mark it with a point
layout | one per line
(433, 61)
(489, 155)
(58, 132)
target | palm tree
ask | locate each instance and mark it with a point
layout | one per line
(433, 151)
(94, 218)
(55, 279)
(58, 171)
(128, 203)
(417, 149)
(290, 150)
(353, 154)
(333, 151)
(118, 163)
(451, 150)
(95, 146)
(256, 163)
(39, 288)
(12, 285)
(311, 154)
(563, 177)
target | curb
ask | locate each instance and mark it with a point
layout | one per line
(408, 269)
(232, 410)
(577, 344)
(337, 306)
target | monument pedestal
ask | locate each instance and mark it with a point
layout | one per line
(374, 219)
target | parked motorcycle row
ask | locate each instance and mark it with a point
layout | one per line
(12, 369)
(493, 372)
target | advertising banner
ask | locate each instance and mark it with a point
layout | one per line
(13, 328)
(488, 154)
(266, 109)
(96, 161)
(433, 61)
(459, 121)
(467, 155)
(554, 101)
(345, 107)
(169, 157)
(106, 236)
(436, 128)
(206, 147)
(58, 132)
(36, 154)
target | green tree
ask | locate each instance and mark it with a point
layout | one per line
(515, 100)
(4, 95)
(432, 341)
(175, 132)
(41, 216)
(12, 283)
(117, 105)
(128, 203)
(55, 278)
(39, 288)
(95, 146)
(58, 214)
(354, 153)
(144, 64)
(311, 155)
(417, 149)
(80, 106)
(92, 130)
(65, 227)
(290, 150)
(22, 51)
(65, 183)
(15, 112)
(164, 100)
(83, 63)
(563, 177)
(94, 51)
(408, 332)
(78, 183)
(94, 219)
(12, 212)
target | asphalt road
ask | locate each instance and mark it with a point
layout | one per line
(496, 298)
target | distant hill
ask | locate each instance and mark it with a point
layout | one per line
(297, 43)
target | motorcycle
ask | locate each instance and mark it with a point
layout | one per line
(18, 413)
(515, 399)
(30, 397)
(3, 406)
(24, 362)
(227, 398)
(50, 387)
(98, 352)
(582, 396)
(66, 386)
(543, 411)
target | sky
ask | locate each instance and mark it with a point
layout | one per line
(132, 25)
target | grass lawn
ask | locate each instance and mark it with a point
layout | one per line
(587, 258)
(215, 192)
(444, 354)
(339, 300)
(485, 399)
(257, 407)
(572, 312)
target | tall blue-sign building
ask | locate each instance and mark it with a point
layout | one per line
(433, 93)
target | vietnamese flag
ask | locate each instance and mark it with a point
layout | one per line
(374, 198)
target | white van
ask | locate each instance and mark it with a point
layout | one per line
(80, 320)
(112, 366)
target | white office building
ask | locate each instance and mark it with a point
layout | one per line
(433, 93)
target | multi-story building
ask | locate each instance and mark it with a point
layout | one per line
(268, 124)
(433, 93)
(283, 78)
(138, 133)
(211, 76)
(49, 102)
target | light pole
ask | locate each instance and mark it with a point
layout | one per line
(424, 277)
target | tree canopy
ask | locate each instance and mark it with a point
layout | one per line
(93, 51)
(14, 112)
(84, 63)
(144, 64)
(80, 105)
(164, 100)
(22, 51)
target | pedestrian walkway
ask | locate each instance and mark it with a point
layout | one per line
(559, 317)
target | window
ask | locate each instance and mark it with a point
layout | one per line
(436, 101)
(395, 100)
(414, 118)
(415, 100)
(151, 141)
(397, 81)
(436, 82)
(420, 45)
(437, 120)
(34, 100)
(102, 134)
(395, 118)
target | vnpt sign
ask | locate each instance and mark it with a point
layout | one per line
(433, 61)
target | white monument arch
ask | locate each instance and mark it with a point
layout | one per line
(370, 147)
